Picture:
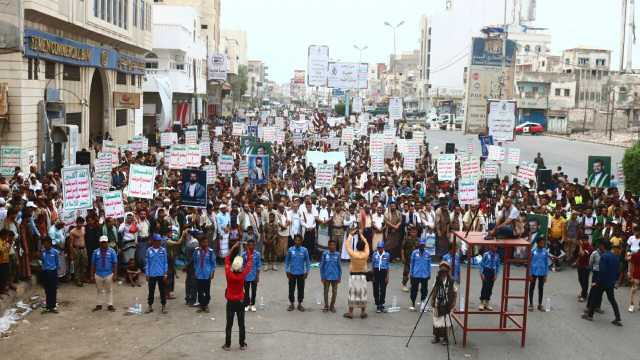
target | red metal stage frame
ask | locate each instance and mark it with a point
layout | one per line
(473, 240)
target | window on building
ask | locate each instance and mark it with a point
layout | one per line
(558, 92)
(103, 9)
(592, 96)
(74, 119)
(121, 117)
(120, 13)
(142, 14)
(598, 97)
(49, 70)
(133, 80)
(121, 78)
(71, 73)
(601, 62)
(567, 61)
(204, 27)
(109, 9)
(125, 15)
(527, 48)
(140, 81)
(96, 8)
(587, 74)
(583, 61)
(594, 74)
(134, 13)
(599, 74)
(538, 49)
(36, 68)
(30, 69)
(567, 92)
(581, 95)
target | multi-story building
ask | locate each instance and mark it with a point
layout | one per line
(404, 75)
(175, 87)
(424, 65)
(233, 43)
(255, 78)
(76, 78)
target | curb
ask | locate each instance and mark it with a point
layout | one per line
(24, 290)
(587, 141)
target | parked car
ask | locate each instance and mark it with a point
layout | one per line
(529, 128)
(445, 120)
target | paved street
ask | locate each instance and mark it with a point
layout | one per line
(77, 333)
(571, 155)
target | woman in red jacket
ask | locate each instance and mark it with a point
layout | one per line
(234, 293)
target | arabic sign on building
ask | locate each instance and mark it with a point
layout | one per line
(317, 65)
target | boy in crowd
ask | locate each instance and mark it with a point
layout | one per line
(330, 275)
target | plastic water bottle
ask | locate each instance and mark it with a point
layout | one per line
(394, 305)
(461, 302)
(547, 304)
(394, 302)
(261, 303)
(318, 299)
(137, 307)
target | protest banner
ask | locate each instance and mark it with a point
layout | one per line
(103, 162)
(191, 137)
(324, 175)
(111, 147)
(238, 129)
(446, 167)
(298, 138)
(280, 137)
(218, 146)
(101, 182)
(113, 205)
(513, 157)
(526, 173)
(269, 134)
(470, 168)
(225, 164)
(490, 170)
(468, 192)
(389, 136)
(10, 158)
(177, 158)
(211, 174)
(501, 119)
(139, 143)
(280, 122)
(205, 148)
(496, 153)
(141, 181)
(243, 170)
(168, 138)
(347, 135)
(193, 155)
(409, 163)
(377, 161)
(76, 187)
(395, 108)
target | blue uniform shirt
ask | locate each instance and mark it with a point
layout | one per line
(156, 262)
(257, 264)
(420, 266)
(104, 263)
(539, 262)
(456, 267)
(609, 270)
(50, 260)
(204, 264)
(380, 261)
(330, 269)
(297, 261)
(490, 262)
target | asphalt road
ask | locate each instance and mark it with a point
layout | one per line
(571, 155)
(77, 333)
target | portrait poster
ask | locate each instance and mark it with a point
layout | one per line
(193, 190)
(599, 171)
(258, 169)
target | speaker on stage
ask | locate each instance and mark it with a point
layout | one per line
(83, 158)
(450, 148)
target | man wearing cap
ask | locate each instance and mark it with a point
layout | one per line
(156, 268)
(204, 265)
(104, 270)
(419, 273)
(443, 300)
(380, 264)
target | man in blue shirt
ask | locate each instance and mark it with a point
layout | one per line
(380, 264)
(454, 263)
(330, 275)
(253, 277)
(419, 273)
(605, 283)
(539, 270)
(204, 265)
(297, 265)
(155, 269)
(50, 266)
(489, 266)
(104, 269)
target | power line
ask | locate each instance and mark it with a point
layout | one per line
(445, 67)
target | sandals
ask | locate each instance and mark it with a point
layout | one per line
(348, 315)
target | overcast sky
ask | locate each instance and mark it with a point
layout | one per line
(279, 31)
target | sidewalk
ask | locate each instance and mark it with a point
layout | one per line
(619, 139)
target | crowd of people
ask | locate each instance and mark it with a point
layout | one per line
(371, 219)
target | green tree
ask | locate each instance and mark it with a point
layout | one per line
(631, 166)
(239, 83)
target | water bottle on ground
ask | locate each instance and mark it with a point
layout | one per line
(461, 302)
(547, 305)
(318, 299)
(394, 305)
(261, 303)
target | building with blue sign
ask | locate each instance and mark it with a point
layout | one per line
(76, 79)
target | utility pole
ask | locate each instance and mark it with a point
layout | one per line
(623, 30)
(503, 81)
(395, 60)
(631, 36)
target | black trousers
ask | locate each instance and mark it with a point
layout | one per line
(591, 298)
(190, 288)
(583, 279)
(532, 287)
(204, 291)
(424, 289)
(50, 284)
(598, 291)
(4, 276)
(309, 241)
(296, 281)
(234, 308)
(153, 280)
(250, 299)
(379, 286)
(487, 288)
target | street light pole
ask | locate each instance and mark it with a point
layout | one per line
(360, 50)
(394, 28)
